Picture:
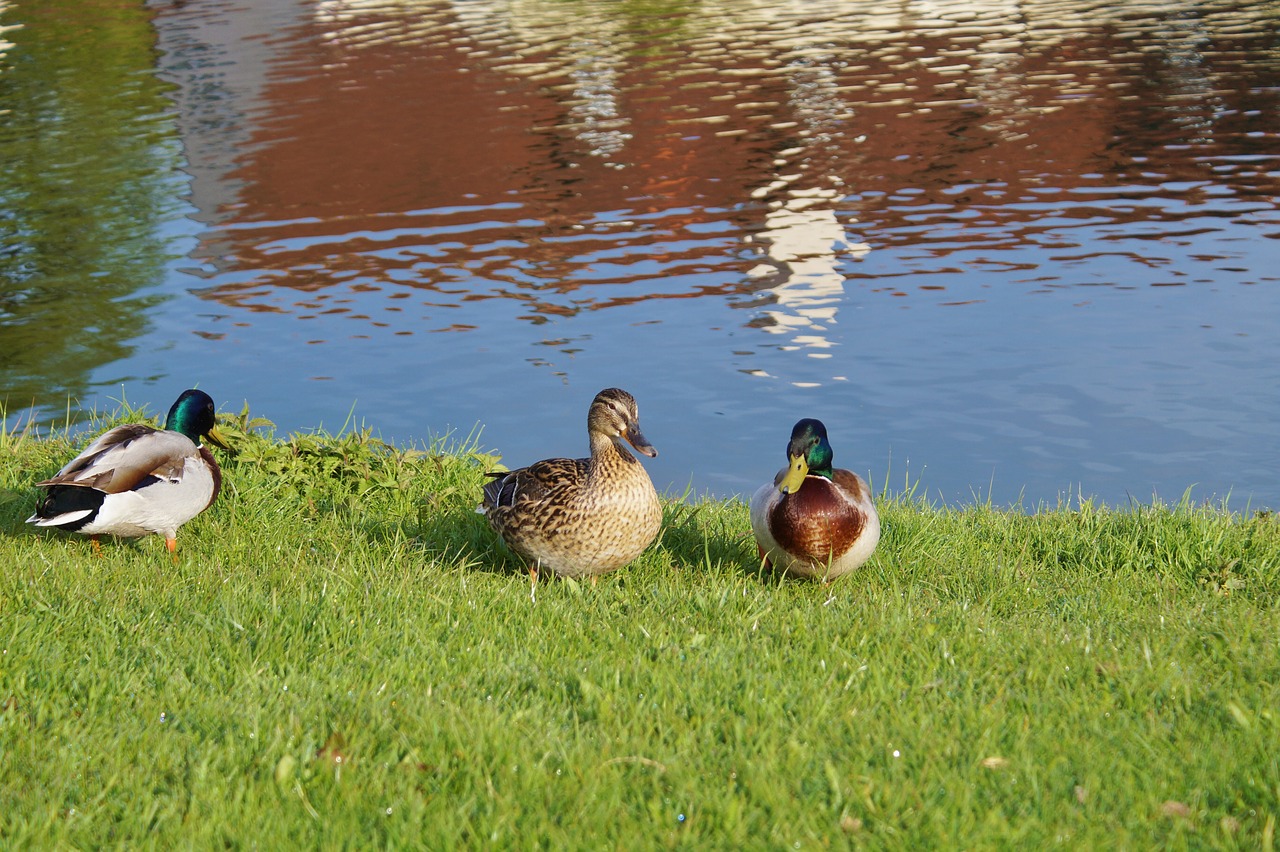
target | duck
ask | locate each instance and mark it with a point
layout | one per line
(813, 520)
(581, 517)
(136, 480)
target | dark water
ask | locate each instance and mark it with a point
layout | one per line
(1018, 249)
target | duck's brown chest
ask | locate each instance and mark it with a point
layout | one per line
(816, 521)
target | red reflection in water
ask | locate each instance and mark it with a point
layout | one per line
(716, 152)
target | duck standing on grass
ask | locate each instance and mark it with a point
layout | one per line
(581, 517)
(135, 480)
(812, 520)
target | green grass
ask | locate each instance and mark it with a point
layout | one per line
(344, 656)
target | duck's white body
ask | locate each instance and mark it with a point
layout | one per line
(814, 520)
(135, 480)
(831, 528)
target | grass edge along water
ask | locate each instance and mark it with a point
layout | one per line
(344, 654)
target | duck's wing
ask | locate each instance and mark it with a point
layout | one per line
(548, 479)
(851, 485)
(779, 476)
(124, 456)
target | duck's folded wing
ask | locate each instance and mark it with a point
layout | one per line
(540, 481)
(851, 484)
(121, 458)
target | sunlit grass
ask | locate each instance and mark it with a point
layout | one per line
(344, 655)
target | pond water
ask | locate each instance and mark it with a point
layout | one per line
(1017, 250)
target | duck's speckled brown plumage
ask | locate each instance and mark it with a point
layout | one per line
(581, 517)
(824, 527)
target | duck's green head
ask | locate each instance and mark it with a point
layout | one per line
(809, 453)
(192, 415)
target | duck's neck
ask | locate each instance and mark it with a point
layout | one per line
(606, 453)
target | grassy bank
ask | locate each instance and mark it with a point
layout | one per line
(343, 655)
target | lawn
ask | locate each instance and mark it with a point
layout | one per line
(342, 655)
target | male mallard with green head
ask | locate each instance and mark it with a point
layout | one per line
(814, 520)
(135, 480)
(581, 517)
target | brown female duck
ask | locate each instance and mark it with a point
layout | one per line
(581, 517)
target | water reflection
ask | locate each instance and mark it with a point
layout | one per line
(82, 205)
(804, 239)
(589, 127)
(898, 216)
(804, 242)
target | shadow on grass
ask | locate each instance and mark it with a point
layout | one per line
(717, 535)
(15, 508)
(453, 533)
(709, 536)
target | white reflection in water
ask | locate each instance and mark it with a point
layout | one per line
(804, 241)
(363, 23)
(593, 109)
(586, 44)
(805, 244)
(1194, 103)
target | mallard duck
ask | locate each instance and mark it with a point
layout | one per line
(814, 520)
(135, 480)
(581, 517)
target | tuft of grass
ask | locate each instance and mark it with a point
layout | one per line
(344, 655)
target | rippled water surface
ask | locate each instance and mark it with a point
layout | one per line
(1016, 249)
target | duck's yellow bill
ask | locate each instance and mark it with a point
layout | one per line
(215, 437)
(795, 475)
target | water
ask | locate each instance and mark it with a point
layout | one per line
(1017, 250)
